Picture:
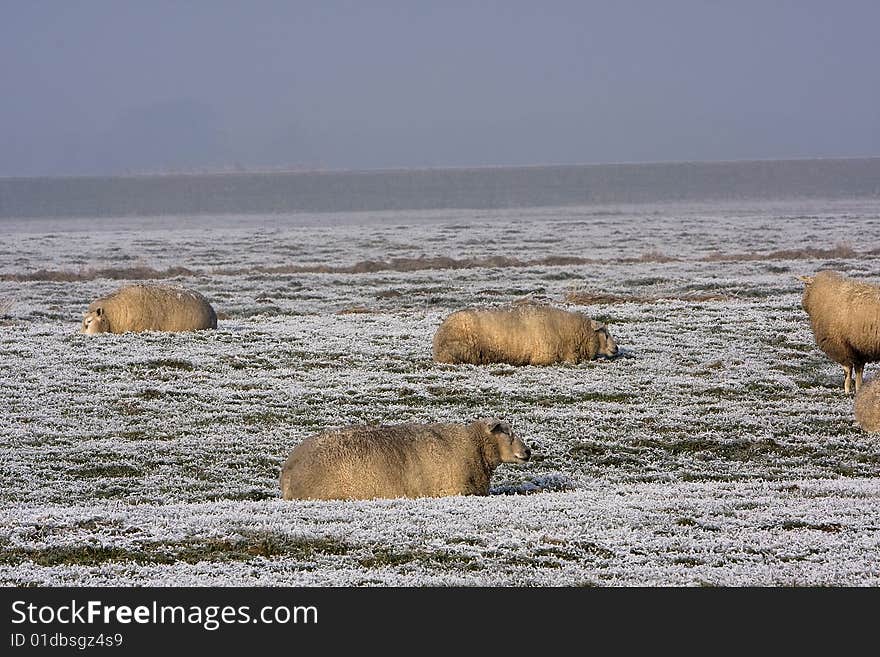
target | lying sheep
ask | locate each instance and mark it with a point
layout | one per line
(528, 334)
(867, 406)
(149, 308)
(845, 317)
(404, 460)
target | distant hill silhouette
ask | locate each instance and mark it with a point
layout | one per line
(420, 189)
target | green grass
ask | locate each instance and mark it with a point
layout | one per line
(382, 556)
(168, 363)
(114, 470)
(790, 525)
(243, 548)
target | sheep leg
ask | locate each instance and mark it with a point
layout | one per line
(860, 369)
(847, 376)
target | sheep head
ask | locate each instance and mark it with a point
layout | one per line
(607, 345)
(808, 286)
(95, 321)
(511, 448)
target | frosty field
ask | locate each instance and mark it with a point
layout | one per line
(718, 449)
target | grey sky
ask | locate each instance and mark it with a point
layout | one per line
(111, 87)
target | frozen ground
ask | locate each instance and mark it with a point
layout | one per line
(718, 449)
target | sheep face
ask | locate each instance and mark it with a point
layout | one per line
(607, 345)
(94, 322)
(511, 448)
(808, 283)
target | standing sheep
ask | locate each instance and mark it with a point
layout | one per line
(528, 334)
(149, 308)
(845, 317)
(867, 406)
(404, 460)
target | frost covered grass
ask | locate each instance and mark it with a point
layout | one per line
(718, 449)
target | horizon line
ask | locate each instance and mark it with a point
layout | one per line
(403, 169)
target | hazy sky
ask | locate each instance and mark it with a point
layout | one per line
(111, 87)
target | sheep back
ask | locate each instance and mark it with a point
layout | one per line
(149, 308)
(406, 460)
(845, 318)
(527, 334)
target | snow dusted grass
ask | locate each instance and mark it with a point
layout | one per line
(719, 449)
(806, 532)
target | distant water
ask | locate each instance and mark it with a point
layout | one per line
(428, 189)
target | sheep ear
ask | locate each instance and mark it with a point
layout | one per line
(493, 424)
(806, 280)
(597, 326)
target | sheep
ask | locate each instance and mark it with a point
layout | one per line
(528, 334)
(845, 318)
(149, 308)
(867, 406)
(406, 460)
